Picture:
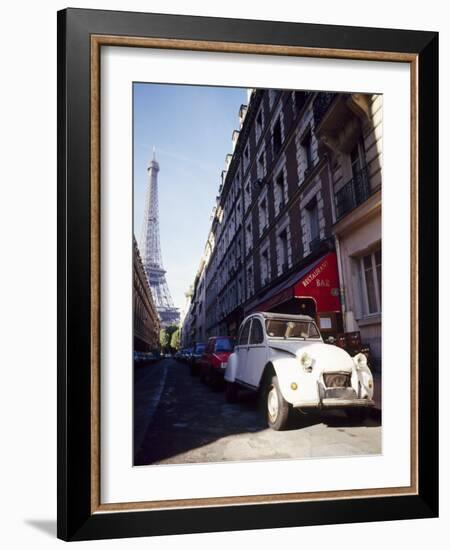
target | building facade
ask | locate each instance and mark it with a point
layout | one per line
(193, 324)
(277, 241)
(145, 317)
(351, 126)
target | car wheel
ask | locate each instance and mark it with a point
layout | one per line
(277, 408)
(231, 392)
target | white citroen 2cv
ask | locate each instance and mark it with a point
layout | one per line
(284, 357)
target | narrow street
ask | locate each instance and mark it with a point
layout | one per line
(180, 420)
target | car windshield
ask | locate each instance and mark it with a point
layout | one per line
(200, 348)
(284, 328)
(224, 344)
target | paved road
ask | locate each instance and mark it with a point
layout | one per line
(180, 420)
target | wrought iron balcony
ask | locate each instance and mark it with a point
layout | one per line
(321, 104)
(354, 193)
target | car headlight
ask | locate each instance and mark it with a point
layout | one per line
(360, 360)
(306, 360)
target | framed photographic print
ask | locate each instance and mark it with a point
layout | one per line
(247, 252)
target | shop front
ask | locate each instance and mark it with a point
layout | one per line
(312, 291)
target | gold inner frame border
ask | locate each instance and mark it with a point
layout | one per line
(97, 41)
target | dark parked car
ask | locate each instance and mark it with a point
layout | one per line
(215, 359)
(195, 357)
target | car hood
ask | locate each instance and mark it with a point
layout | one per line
(327, 357)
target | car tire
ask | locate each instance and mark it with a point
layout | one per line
(277, 409)
(231, 392)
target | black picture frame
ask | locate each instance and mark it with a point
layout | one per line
(76, 521)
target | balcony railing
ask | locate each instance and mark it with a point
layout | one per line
(354, 193)
(321, 105)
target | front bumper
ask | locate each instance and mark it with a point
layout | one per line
(334, 403)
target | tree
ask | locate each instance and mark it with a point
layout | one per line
(175, 340)
(165, 338)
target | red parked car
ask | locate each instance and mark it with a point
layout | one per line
(215, 358)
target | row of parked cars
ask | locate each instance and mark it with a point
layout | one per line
(209, 361)
(141, 357)
(284, 358)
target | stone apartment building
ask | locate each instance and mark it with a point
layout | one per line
(351, 127)
(277, 240)
(145, 317)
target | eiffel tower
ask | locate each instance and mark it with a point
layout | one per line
(150, 249)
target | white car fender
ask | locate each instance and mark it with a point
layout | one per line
(287, 372)
(231, 369)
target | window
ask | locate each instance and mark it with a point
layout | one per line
(276, 137)
(313, 220)
(259, 124)
(283, 252)
(248, 236)
(356, 159)
(279, 191)
(307, 150)
(243, 336)
(370, 267)
(246, 156)
(261, 166)
(238, 212)
(249, 282)
(263, 215)
(265, 266)
(239, 290)
(247, 195)
(282, 328)
(224, 345)
(256, 334)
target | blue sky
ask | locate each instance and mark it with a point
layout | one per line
(190, 127)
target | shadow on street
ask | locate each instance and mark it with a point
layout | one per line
(190, 416)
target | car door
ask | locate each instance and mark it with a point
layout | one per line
(256, 353)
(241, 352)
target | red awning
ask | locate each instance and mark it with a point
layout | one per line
(319, 281)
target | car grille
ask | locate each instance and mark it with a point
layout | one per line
(337, 379)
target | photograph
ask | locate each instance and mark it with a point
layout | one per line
(257, 274)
